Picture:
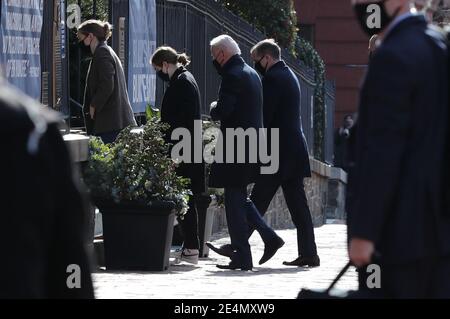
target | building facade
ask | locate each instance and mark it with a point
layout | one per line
(331, 27)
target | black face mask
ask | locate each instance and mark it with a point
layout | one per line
(365, 18)
(85, 49)
(163, 76)
(258, 67)
(217, 66)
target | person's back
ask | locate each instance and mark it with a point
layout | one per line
(42, 228)
(294, 157)
(114, 111)
(242, 96)
(247, 89)
(400, 146)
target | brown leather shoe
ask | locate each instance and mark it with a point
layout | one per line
(304, 261)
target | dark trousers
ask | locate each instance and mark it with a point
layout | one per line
(417, 280)
(294, 193)
(241, 212)
(189, 226)
(109, 137)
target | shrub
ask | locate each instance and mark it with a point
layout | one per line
(136, 168)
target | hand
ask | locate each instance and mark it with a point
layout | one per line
(92, 112)
(213, 105)
(361, 252)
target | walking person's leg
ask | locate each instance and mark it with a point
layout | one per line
(272, 242)
(294, 193)
(256, 221)
(262, 194)
(235, 201)
(189, 228)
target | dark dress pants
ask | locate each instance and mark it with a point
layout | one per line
(240, 212)
(189, 226)
(294, 193)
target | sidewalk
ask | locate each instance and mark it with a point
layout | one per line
(205, 281)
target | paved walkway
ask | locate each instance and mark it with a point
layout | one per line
(205, 281)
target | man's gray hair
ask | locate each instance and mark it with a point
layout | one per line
(225, 42)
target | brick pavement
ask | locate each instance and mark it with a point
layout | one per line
(205, 281)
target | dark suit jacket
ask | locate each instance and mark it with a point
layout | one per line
(282, 98)
(397, 184)
(42, 230)
(106, 91)
(239, 106)
(180, 108)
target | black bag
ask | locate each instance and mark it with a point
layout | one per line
(312, 294)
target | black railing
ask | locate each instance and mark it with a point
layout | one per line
(189, 26)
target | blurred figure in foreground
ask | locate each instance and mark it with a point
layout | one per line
(397, 212)
(42, 232)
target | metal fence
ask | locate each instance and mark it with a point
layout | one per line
(189, 26)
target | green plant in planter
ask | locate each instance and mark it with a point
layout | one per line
(152, 112)
(136, 168)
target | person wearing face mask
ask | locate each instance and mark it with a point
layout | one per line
(107, 107)
(180, 109)
(239, 107)
(397, 215)
(281, 110)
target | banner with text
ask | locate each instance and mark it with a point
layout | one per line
(142, 44)
(20, 36)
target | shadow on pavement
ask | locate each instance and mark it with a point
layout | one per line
(257, 271)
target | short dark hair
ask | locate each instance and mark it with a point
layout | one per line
(268, 46)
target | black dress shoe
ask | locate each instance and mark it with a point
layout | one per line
(270, 249)
(304, 261)
(234, 267)
(225, 250)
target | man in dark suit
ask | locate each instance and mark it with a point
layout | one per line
(42, 232)
(397, 206)
(282, 112)
(239, 107)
